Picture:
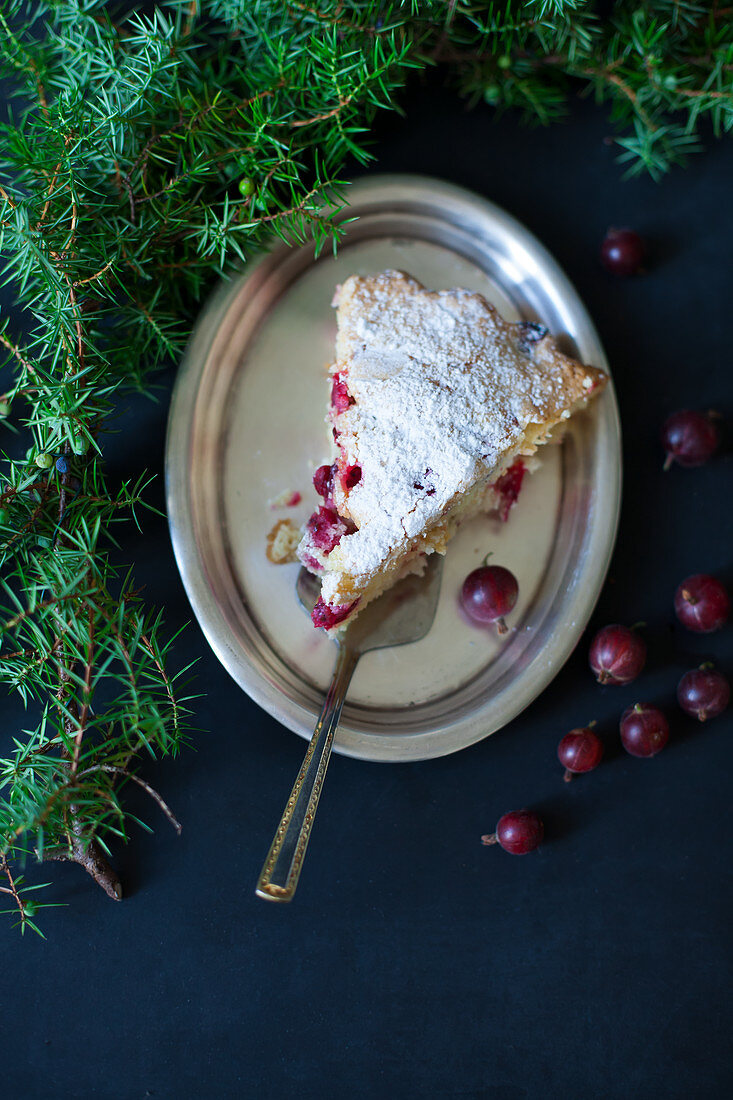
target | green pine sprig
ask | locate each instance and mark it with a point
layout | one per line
(144, 156)
(664, 68)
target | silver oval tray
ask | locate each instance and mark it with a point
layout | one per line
(247, 423)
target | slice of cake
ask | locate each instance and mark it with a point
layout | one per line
(436, 405)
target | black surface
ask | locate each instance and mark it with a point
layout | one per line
(414, 962)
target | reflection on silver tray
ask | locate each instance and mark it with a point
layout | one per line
(247, 423)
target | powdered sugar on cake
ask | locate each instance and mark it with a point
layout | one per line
(441, 392)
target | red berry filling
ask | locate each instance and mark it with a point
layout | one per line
(430, 490)
(325, 616)
(323, 480)
(351, 477)
(326, 529)
(340, 396)
(508, 485)
(311, 563)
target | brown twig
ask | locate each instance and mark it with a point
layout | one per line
(11, 202)
(299, 208)
(30, 522)
(605, 72)
(41, 91)
(110, 769)
(343, 102)
(51, 186)
(190, 17)
(128, 187)
(40, 659)
(145, 641)
(450, 15)
(700, 93)
(623, 87)
(12, 888)
(20, 653)
(25, 614)
(16, 352)
(87, 694)
(112, 623)
(163, 190)
(97, 275)
(77, 321)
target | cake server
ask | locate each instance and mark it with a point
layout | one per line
(401, 615)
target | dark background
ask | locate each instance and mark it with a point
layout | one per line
(414, 962)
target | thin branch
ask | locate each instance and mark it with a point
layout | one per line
(51, 187)
(298, 208)
(128, 187)
(193, 10)
(16, 352)
(97, 275)
(86, 694)
(12, 888)
(77, 322)
(31, 521)
(110, 769)
(630, 94)
(333, 20)
(10, 624)
(145, 641)
(321, 117)
(701, 93)
(11, 202)
(41, 91)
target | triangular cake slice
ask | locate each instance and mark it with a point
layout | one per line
(436, 402)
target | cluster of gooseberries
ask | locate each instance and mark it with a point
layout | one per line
(618, 653)
(617, 656)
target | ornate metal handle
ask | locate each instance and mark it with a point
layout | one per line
(279, 876)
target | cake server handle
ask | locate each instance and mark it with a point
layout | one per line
(279, 876)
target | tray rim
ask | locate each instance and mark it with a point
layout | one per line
(366, 191)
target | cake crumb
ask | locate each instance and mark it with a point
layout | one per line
(282, 542)
(287, 499)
